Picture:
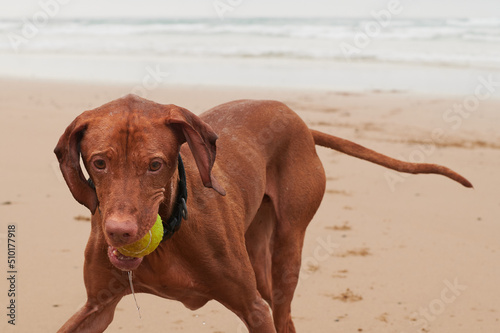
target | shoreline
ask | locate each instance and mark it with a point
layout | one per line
(263, 73)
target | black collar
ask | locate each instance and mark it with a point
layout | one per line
(180, 209)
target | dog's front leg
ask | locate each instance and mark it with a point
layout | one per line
(91, 317)
(105, 288)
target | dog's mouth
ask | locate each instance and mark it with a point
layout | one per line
(122, 262)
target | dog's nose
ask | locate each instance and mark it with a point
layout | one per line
(121, 230)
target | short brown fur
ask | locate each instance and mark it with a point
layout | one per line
(248, 209)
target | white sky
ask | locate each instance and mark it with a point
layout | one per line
(246, 8)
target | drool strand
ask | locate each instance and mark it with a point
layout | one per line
(133, 293)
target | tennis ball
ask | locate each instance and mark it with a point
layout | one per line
(146, 244)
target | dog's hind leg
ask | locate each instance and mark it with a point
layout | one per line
(259, 247)
(296, 192)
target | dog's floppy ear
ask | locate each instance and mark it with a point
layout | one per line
(68, 154)
(201, 140)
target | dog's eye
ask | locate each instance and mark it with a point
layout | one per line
(100, 164)
(154, 166)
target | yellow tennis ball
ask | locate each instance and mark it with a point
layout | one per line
(146, 244)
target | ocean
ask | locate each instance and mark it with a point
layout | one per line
(260, 49)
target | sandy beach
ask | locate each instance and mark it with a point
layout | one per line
(384, 253)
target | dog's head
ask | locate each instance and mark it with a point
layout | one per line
(129, 148)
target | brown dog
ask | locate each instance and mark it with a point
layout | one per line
(242, 243)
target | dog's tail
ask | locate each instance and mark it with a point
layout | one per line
(353, 149)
